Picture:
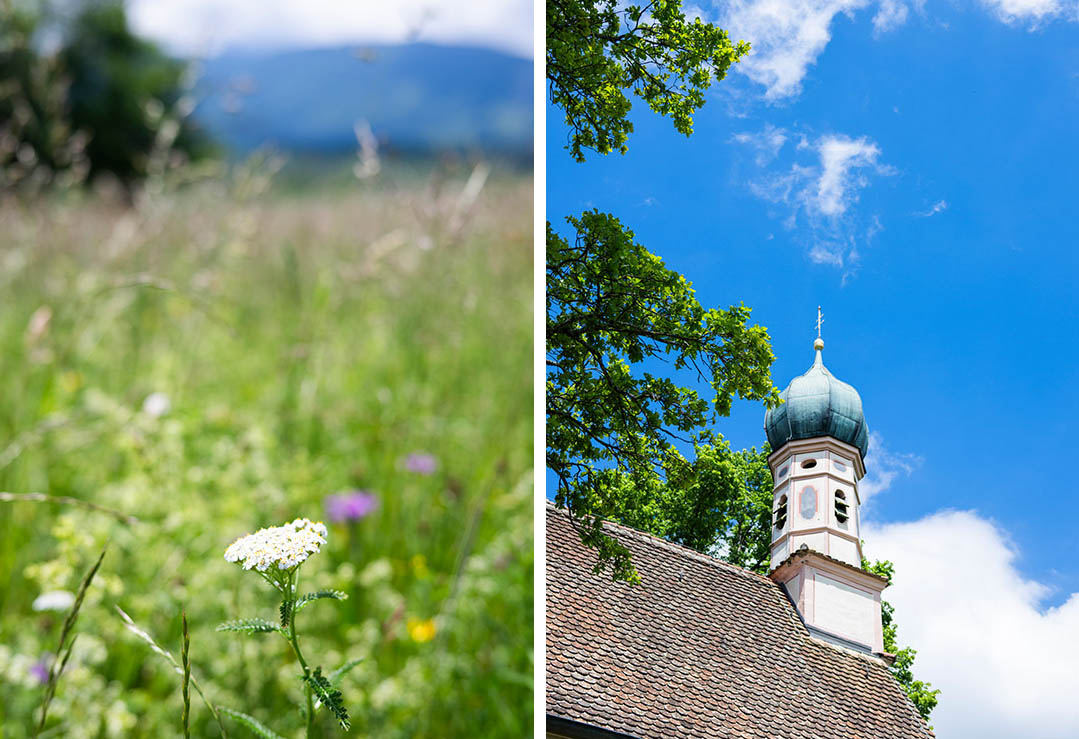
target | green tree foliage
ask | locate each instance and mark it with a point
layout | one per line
(122, 89)
(719, 503)
(103, 101)
(599, 51)
(611, 432)
(921, 693)
(611, 304)
(36, 137)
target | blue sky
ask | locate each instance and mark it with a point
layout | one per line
(911, 168)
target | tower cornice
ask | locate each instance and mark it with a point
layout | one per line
(820, 443)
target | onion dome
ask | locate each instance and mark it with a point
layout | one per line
(817, 404)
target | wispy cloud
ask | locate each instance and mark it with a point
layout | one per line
(883, 466)
(767, 143)
(1023, 11)
(842, 161)
(891, 15)
(938, 207)
(787, 37)
(1004, 665)
(819, 189)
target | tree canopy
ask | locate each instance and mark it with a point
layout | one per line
(103, 100)
(611, 431)
(599, 51)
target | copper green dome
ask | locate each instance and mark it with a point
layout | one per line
(817, 404)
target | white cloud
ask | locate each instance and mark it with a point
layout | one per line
(828, 252)
(1018, 11)
(842, 158)
(1004, 665)
(820, 193)
(875, 227)
(882, 466)
(787, 36)
(205, 27)
(830, 187)
(891, 15)
(938, 207)
(767, 143)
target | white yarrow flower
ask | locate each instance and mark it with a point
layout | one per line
(54, 600)
(286, 546)
(156, 405)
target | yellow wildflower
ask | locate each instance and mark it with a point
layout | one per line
(421, 630)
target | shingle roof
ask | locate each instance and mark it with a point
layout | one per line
(700, 649)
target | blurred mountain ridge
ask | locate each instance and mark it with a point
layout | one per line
(415, 97)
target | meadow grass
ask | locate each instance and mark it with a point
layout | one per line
(296, 344)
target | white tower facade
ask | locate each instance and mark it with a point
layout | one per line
(820, 439)
(816, 502)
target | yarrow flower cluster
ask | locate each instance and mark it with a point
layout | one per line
(276, 554)
(285, 547)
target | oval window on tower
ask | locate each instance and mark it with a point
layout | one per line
(839, 465)
(807, 504)
(809, 464)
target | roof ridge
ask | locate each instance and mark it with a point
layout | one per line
(662, 543)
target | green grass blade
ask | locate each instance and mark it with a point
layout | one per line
(257, 727)
(186, 660)
(340, 672)
(66, 645)
(130, 625)
(120, 516)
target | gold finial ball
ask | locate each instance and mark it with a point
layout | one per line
(818, 344)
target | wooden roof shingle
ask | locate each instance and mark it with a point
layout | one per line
(700, 649)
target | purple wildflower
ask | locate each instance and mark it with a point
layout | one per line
(350, 505)
(421, 464)
(40, 669)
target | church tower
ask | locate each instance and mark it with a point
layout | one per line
(820, 439)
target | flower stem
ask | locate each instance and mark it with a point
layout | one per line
(293, 587)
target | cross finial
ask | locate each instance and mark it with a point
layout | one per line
(819, 343)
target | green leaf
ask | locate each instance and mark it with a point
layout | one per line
(306, 598)
(257, 727)
(249, 626)
(286, 613)
(340, 672)
(328, 695)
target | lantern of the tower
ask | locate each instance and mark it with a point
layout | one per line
(819, 439)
